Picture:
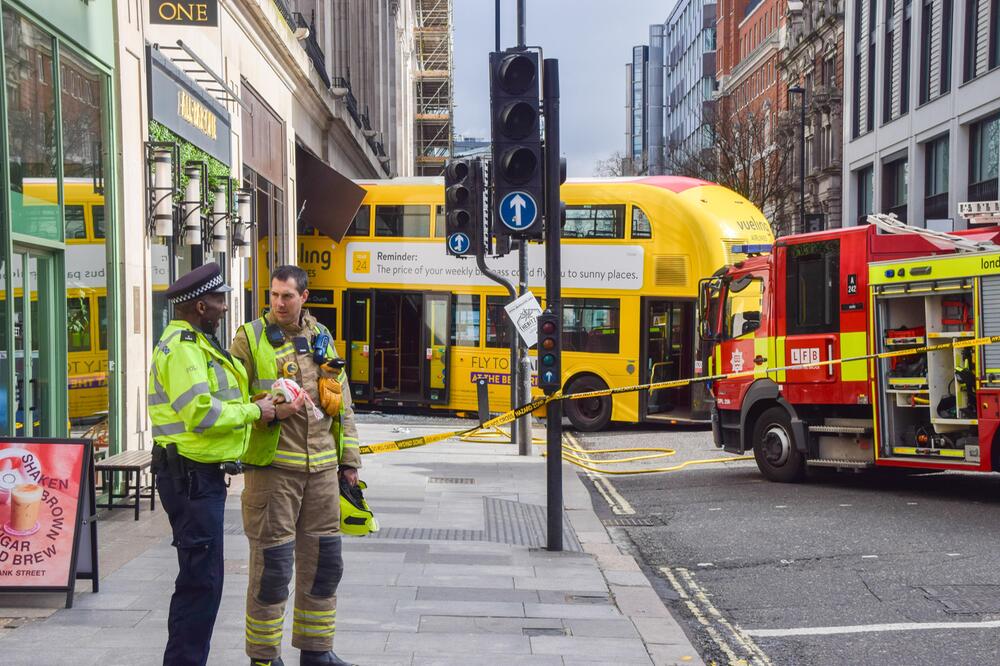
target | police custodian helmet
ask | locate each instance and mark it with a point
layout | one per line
(356, 518)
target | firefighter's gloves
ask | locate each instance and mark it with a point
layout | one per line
(330, 397)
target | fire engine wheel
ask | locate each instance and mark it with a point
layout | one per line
(588, 414)
(774, 447)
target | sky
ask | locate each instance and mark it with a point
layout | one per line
(592, 39)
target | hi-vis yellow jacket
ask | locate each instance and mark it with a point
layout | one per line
(198, 397)
(301, 442)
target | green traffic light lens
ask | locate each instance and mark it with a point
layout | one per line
(519, 164)
(549, 359)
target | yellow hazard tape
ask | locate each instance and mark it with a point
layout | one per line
(537, 403)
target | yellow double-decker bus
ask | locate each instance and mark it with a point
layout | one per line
(420, 328)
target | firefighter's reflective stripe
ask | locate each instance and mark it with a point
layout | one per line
(314, 623)
(264, 632)
(291, 457)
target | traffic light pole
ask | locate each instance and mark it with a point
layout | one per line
(524, 363)
(553, 297)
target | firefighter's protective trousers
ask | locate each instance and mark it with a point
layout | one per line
(292, 518)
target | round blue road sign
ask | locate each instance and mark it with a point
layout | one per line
(518, 211)
(458, 243)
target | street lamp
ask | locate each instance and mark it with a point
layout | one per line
(798, 90)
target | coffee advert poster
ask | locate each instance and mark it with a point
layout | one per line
(39, 511)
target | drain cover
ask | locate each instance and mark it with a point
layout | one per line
(544, 631)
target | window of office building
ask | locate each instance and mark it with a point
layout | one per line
(859, 45)
(865, 181)
(895, 187)
(984, 153)
(904, 73)
(926, 20)
(994, 33)
(946, 42)
(888, 60)
(936, 178)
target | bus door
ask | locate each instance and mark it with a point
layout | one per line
(436, 343)
(667, 346)
(397, 346)
(357, 340)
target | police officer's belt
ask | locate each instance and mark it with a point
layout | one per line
(161, 462)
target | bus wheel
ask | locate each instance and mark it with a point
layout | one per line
(588, 414)
(774, 447)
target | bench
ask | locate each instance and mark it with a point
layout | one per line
(128, 463)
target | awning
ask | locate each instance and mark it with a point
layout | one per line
(326, 199)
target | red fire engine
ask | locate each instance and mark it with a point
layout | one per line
(848, 293)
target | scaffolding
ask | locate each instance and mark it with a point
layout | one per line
(433, 86)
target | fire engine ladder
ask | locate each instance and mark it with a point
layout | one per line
(890, 224)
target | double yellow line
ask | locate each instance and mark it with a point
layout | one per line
(537, 403)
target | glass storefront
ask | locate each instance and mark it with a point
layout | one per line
(56, 225)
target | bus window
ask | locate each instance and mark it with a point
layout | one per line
(465, 321)
(591, 325)
(497, 329)
(440, 223)
(605, 221)
(403, 221)
(98, 213)
(102, 317)
(78, 323)
(327, 317)
(76, 228)
(362, 224)
(640, 224)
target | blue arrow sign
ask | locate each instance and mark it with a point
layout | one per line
(548, 377)
(518, 211)
(458, 243)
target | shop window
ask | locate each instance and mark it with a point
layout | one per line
(599, 221)
(403, 221)
(591, 325)
(76, 225)
(497, 323)
(640, 224)
(362, 224)
(31, 128)
(813, 288)
(465, 321)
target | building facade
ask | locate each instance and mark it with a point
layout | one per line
(145, 138)
(636, 112)
(922, 110)
(814, 62)
(689, 69)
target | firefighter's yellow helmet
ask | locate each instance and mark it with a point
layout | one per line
(356, 518)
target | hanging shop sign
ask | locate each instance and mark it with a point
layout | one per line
(48, 531)
(203, 13)
(183, 107)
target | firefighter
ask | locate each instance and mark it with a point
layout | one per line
(201, 417)
(291, 498)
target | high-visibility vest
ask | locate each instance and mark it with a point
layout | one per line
(264, 441)
(198, 397)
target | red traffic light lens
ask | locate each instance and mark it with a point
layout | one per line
(549, 359)
(519, 164)
(548, 327)
(458, 169)
(518, 120)
(517, 73)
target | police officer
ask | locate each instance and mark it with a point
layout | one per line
(201, 416)
(291, 499)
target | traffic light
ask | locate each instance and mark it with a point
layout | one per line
(518, 183)
(549, 352)
(463, 195)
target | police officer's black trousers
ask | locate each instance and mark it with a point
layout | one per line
(195, 514)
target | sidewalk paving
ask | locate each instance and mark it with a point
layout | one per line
(457, 575)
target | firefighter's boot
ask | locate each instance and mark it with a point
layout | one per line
(328, 658)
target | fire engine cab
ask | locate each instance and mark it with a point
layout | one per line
(848, 294)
